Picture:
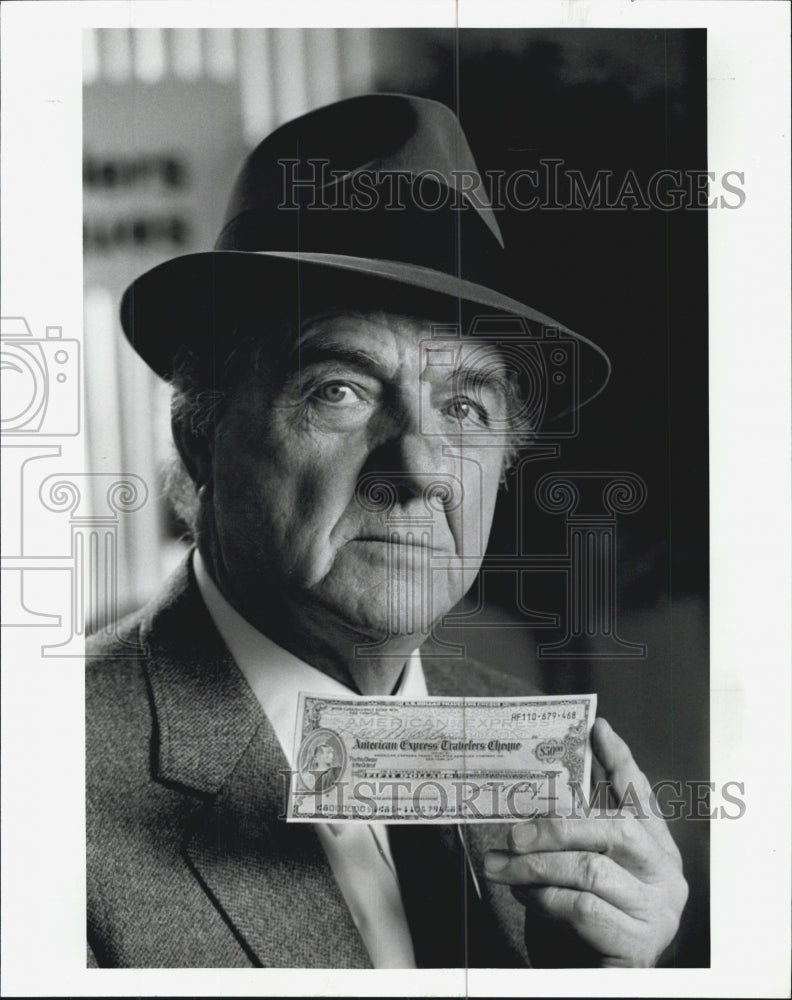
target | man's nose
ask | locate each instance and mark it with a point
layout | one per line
(413, 461)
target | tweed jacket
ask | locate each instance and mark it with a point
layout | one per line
(188, 862)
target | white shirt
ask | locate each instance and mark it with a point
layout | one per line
(358, 853)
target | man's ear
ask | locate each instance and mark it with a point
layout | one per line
(195, 451)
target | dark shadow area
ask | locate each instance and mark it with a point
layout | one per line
(635, 282)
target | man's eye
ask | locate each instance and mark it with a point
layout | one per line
(337, 394)
(465, 411)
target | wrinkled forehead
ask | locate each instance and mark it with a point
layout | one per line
(393, 340)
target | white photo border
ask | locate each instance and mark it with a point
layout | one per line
(43, 884)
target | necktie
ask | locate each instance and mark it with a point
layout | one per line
(450, 926)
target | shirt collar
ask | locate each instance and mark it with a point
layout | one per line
(275, 675)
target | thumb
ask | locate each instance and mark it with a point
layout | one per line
(627, 779)
(630, 785)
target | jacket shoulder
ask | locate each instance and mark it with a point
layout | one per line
(109, 646)
(113, 662)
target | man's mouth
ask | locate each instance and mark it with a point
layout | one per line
(407, 539)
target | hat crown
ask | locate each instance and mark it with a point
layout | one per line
(298, 233)
(310, 164)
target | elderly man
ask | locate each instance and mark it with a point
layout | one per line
(342, 437)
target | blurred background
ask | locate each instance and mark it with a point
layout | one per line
(168, 118)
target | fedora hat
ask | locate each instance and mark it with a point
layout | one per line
(372, 200)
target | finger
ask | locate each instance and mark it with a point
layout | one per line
(598, 775)
(581, 870)
(600, 789)
(620, 836)
(630, 785)
(599, 924)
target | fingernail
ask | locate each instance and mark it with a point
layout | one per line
(494, 862)
(524, 835)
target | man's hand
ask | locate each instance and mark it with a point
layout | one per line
(606, 890)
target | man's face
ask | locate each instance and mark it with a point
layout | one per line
(358, 482)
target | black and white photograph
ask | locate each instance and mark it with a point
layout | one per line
(371, 528)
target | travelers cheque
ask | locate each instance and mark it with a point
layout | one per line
(439, 759)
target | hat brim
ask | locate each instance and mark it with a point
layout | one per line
(194, 301)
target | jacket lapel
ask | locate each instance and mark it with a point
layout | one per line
(273, 884)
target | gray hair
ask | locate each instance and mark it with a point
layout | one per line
(197, 403)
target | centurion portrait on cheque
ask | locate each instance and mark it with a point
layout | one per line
(297, 769)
